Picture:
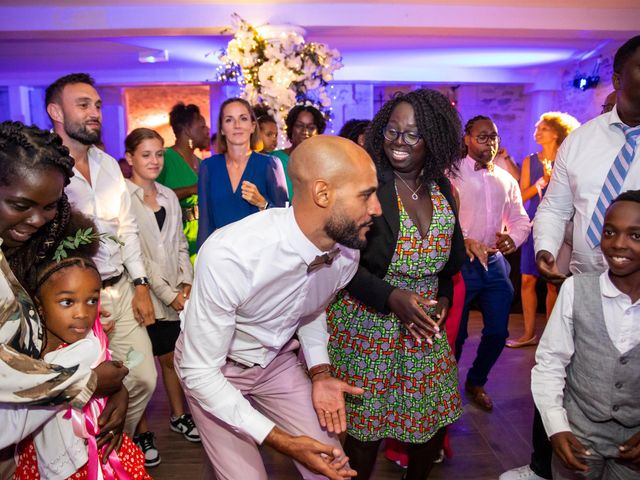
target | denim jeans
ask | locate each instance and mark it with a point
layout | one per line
(493, 292)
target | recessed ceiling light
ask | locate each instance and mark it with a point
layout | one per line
(153, 56)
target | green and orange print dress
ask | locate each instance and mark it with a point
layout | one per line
(411, 390)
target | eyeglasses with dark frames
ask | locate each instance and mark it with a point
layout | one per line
(410, 138)
(302, 127)
(482, 138)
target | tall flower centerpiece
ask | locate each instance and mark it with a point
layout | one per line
(276, 68)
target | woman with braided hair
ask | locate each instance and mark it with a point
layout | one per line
(34, 215)
(387, 326)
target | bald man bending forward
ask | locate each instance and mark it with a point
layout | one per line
(258, 282)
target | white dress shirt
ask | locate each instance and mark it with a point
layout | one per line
(108, 203)
(489, 202)
(251, 293)
(581, 167)
(622, 319)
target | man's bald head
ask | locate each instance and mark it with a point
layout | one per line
(328, 158)
(335, 184)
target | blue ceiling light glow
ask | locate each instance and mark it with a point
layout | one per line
(153, 56)
(467, 64)
(510, 58)
(195, 50)
(466, 57)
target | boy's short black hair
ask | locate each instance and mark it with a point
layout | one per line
(625, 52)
(628, 196)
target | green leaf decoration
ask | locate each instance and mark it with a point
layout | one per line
(81, 237)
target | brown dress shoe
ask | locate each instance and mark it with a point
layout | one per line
(479, 396)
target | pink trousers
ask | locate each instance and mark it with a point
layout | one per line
(281, 392)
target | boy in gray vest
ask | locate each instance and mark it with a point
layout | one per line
(586, 382)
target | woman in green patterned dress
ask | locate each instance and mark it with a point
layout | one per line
(387, 332)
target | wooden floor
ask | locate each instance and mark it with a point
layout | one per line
(484, 444)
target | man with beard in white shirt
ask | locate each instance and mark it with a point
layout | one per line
(258, 282)
(99, 191)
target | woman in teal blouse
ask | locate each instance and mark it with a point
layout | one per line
(303, 121)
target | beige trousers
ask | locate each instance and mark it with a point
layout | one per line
(129, 334)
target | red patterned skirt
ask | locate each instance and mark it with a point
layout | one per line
(130, 455)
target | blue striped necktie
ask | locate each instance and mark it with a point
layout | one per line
(613, 183)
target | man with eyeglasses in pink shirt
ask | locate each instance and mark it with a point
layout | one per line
(494, 223)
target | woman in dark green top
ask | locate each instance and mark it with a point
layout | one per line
(181, 165)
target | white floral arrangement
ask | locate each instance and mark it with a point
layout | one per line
(279, 70)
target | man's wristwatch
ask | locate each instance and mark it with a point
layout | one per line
(141, 281)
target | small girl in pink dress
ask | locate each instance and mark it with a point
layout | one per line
(67, 297)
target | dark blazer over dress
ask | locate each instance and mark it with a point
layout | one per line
(368, 285)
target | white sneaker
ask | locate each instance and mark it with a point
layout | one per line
(184, 424)
(520, 473)
(146, 442)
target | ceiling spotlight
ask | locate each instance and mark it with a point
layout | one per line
(153, 56)
(584, 82)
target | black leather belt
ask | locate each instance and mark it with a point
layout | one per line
(110, 282)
